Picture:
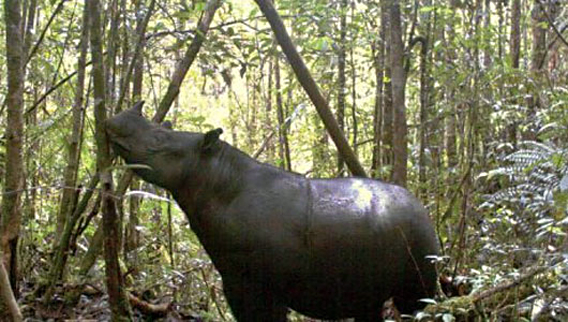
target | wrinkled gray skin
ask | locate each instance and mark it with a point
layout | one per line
(328, 248)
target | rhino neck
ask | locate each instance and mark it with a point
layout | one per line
(214, 182)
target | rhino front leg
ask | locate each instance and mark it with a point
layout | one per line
(253, 301)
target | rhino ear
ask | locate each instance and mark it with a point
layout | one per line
(137, 108)
(211, 139)
(167, 125)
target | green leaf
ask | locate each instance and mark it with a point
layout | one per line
(254, 12)
(200, 6)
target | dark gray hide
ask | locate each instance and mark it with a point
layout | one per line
(328, 248)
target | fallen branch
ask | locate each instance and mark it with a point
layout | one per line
(155, 310)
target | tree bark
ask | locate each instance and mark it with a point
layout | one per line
(8, 298)
(311, 88)
(388, 112)
(268, 126)
(284, 147)
(398, 88)
(354, 121)
(119, 304)
(111, 48)
(425, 92)
(515, 50)
(488, 43)
(13, 177)
(539, 37)
(341, 78)
(378, 50)
(30, 22)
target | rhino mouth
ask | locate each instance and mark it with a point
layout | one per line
(122, 149)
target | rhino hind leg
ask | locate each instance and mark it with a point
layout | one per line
(251, 301)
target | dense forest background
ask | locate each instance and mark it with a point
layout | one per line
(463, 102)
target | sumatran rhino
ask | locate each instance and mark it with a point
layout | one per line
(327, 248)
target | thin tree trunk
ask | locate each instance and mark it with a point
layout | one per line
(66, 218)
(388, 111)
(34, 49)
(30, 23)
(539, 37)
(183, 66)
(515, 42)
(119, 304)
(30, 119)
(8, 299)
(284, 147)
(501, 22)
(132, 237)
(451, 120)
(488, 41)
(355, 125)
(398, 87)
(268, 117)
(425, 92)
(341, 78)
(95, 247)
(13, 176)
(74, 147)
(163, 108)
(140, 44)
(310, 87)
(378, 50)
(111, 48)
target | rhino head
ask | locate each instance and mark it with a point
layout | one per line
(160, 155)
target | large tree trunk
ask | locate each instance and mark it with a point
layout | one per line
(13, 177)
(311, 88)
(119, 304)
(398, 88)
